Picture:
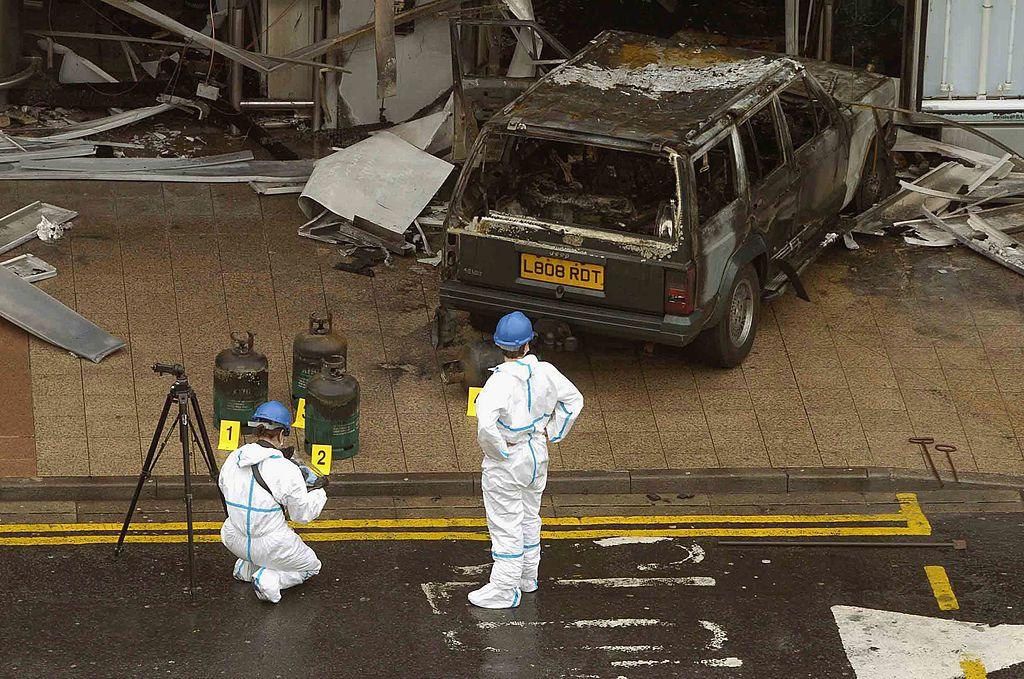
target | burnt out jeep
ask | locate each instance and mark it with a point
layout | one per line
(659, 191)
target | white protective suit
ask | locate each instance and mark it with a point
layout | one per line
(523, 405)
(270, 554)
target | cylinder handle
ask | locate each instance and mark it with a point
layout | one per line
(320, 324)
(243, 342)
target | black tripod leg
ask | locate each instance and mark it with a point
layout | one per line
(184, 431)
(147, 470)
(206, 448)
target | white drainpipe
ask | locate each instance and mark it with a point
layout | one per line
(986, 30)
(1008, 85)
(944, 86)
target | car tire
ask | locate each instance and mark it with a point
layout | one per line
(726, 344)
(878, 178)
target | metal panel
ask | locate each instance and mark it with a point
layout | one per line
(34, 311)
(30, 268)
(20, 226)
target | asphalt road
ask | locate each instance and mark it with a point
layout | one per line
(692, 608)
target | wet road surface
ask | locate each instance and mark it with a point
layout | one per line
(676, 607)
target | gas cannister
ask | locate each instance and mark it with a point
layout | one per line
(309, 351)
(332, 410)
(240, 379)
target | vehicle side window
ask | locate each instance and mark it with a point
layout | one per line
(761, 145)
(800, 115)
(716, 179)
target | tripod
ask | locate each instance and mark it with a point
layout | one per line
(184, 395)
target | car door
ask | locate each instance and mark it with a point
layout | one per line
(719, 208)
(819, 149)
(773, 198)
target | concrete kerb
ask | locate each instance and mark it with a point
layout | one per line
(467, 484)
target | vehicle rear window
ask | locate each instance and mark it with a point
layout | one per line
(577, 185)
(715, 179)
(761, 145)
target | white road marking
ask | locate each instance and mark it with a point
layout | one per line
(623, 649)
(722, 662)
(615, 542)
(638, 582)
(452, 641)
(881, 644)
(473, 570)
(718, 634)
(436, 592)
(644, 663)
(620, 622)
(695, 554)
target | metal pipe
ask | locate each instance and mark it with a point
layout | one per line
(986, 32)
(978, 105)
(273, 104)
(793, 27)
(317, 91)
(238, 40)
(944, 86)
(1008, 85)
(20, 76)
(826, 31)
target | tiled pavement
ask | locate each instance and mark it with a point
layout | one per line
(898, 342)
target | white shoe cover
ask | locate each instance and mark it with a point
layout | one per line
(267, 586)
(243, 570)
(490, 596)
(528, 586)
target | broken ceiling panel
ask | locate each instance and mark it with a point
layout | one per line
(383, 179)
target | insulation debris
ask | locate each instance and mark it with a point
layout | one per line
(379, 185)
(23, 225)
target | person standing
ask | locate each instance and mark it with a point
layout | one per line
(260, 483)
(524, 404)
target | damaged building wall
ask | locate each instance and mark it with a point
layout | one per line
(424, 67)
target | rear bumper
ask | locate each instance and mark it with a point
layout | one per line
(671, 330)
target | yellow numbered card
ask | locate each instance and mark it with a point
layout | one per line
(471, 408)
(230, 432)
(300, 415)
(320, 458)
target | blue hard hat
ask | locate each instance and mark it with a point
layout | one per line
(274, 414)
(513, 331)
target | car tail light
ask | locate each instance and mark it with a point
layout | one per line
(679, 291)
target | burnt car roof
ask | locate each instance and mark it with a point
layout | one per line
(646, 90)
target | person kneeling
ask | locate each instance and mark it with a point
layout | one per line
(260, 484)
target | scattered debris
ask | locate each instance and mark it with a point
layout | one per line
(32, 310)
(48, 231)
(361, 260)
(30, 268)
(24, 224)
(74, 68)
(981, 237)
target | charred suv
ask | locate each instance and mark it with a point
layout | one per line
(658, 191)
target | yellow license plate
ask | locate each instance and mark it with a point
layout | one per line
(561, 272)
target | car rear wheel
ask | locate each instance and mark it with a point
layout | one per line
(729, 342)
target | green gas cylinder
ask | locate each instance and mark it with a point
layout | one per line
(240, 379)
(332, 411)
(309, 351)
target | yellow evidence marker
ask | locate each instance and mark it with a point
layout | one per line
(471, 407)
(230, 432)
(300, 415)
(320, 458)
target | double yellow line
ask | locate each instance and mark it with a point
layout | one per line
(908, 521)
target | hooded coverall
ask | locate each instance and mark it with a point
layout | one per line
(270, 554)
(523, 405)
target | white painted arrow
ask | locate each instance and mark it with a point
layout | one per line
(884, 644)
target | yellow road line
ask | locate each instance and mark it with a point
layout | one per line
(973, 668)
(941, 588)
(910, 514)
